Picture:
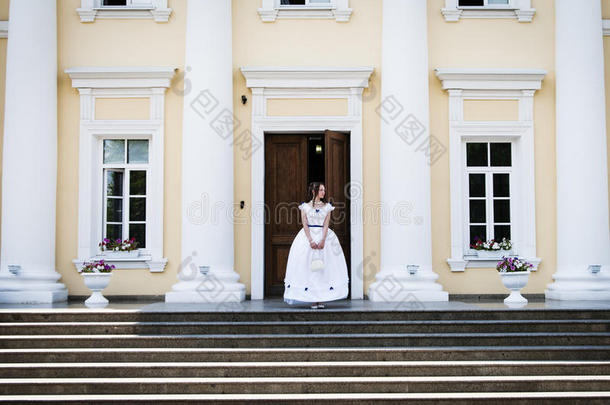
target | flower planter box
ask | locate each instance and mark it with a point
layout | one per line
(493, 254)
(96, 282)
(113, 254)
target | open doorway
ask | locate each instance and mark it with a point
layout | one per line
(292, 161)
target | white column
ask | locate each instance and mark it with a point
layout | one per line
(405, 168)
(29, 160)
(207, 159)
(582, 182)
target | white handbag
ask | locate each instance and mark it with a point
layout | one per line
(317, 263)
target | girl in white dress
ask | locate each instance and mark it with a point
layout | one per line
(326, 280)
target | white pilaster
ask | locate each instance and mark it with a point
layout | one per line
(405, 158)
(582, 183)
(29, 162)
(207, 159)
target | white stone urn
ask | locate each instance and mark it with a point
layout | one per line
(515, 281)
(121, 254)
(96, 282)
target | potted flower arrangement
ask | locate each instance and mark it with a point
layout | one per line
(117, 249)
(515, 273)
(96, 275)
(492, 248)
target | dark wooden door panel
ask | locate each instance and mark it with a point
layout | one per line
(286, 171)
(337, 178)
(285, 180)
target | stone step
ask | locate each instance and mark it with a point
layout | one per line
(302, 369)
(431, 353)
(324, 384)
(311, 340)
(441, 398)
(302, 315)
(300, 327)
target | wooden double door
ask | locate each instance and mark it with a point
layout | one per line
(292, 161)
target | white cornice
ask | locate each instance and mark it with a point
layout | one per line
(491, 79)
(306, 76)
(120, 77)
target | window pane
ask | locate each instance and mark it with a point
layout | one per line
(114, 183)
(501, 211)
(504, 2)
(114, 232)
(501, 231)
(501, 185)
(463, 3)
(114, 151)
(292, 2)
(476, 154)
(137, 151)
(137, 209)
(137, 182)
(477, 231)
(476, 185)
(138, 231)
(477, 211)
(500, 154)
(114, 210)
(115, 2)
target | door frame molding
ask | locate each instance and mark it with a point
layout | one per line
(300, 83)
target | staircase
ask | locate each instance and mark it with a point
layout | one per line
(304, 356)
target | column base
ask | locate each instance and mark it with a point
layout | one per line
(32, 288)
(33, 297)
(579, 285)
(396, 285)
(217, 286)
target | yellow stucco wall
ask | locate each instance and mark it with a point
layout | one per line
(122, 108)
(491, 110)
(133, 43)
(494, 43)
(306, 106)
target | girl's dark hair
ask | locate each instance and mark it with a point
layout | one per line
(315, 186)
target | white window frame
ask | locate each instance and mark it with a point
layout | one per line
(493, 84)
(119, 82)
(518, 9)
(489, 171)
(272, 10)
(135, 9)
(126, 169)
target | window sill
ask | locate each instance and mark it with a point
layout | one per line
(305, 12)
(474, 262)
(160, 15)
(454, 14)
(141, 262)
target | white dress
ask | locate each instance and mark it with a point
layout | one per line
(303, 285)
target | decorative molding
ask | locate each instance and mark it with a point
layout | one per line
(518, 9)
(132, 77)
(153, 9)
(3, 29)
(336, 9)
(493, 84)
(606, 27)
(125, 82)
(484, 80)
(306, 82)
